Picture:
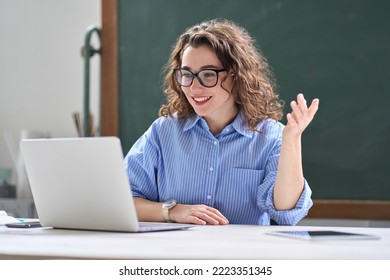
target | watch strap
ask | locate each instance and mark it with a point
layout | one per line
(166, 215)
(167, 205)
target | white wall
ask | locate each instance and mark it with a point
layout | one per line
(41, 68)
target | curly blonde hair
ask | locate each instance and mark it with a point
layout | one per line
(253, 82)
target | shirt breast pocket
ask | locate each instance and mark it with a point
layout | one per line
(243, 183)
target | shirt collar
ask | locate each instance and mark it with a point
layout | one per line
(238, 124)
(190, 122)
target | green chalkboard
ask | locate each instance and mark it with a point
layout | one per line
(336, 50)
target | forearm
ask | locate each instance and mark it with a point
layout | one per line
(289, 179)
(148, 211)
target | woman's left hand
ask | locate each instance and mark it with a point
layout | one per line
(301, 116)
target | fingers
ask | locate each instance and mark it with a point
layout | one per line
(302, 105)
(314, 107)
(299, 107)
(207, 215)
(301, 115)
(213, 216)
(198, 214)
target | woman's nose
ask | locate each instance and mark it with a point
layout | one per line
(196, 85)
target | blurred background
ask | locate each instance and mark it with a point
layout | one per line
(41, 71)
(41, 67)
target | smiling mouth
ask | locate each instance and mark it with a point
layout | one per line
(201, 100)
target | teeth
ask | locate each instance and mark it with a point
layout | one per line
(201, 99)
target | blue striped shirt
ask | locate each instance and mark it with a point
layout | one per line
(233, 172)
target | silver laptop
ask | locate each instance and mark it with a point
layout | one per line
(81, 183)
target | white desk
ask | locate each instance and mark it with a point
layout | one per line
(202, 242)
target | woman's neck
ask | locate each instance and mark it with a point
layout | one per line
(217, 123)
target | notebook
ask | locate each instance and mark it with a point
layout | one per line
(81, 183)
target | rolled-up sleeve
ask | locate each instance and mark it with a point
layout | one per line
(140, 163)
(292, 216)
(283, 217)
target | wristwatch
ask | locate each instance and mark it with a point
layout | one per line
(168, 205)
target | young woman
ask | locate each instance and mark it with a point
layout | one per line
(218, 153)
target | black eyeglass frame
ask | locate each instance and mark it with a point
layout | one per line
(217, 71)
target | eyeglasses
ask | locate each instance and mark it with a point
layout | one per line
(206, 77)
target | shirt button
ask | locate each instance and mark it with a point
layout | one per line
(215, 142)
(211, 169)
(209, 197)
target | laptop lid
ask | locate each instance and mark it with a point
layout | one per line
(81, 183)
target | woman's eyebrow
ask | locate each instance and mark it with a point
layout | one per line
(210, 66)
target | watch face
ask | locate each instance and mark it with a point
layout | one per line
(169, 203)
